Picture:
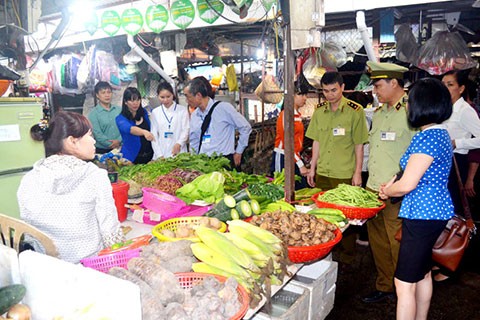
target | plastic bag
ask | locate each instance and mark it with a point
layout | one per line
(443, 52)
(313, 70)
(407, 48)
(231, 78)
(333, 55)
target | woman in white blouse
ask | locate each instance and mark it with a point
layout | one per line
(170, 124)
(67, 196)
(464, 130)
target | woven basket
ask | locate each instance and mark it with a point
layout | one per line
(188, 279)
(268, 84)
(348, 211)
(173, 224)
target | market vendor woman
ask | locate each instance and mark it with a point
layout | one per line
(66, 196)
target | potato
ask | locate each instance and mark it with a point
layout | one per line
(19, 312)
(168, 233)
(183, 232)
(215, 223)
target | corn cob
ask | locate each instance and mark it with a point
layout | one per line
(218, 242)
(269, 249)
(216, 259)
(249, 247)
(264, 235)
(206, 268)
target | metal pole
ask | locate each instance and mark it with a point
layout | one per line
(289, 117)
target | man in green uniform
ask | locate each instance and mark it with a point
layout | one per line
(338, 130)
(102, 117)
(389, 138)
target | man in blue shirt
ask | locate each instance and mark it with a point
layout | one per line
(219, 136)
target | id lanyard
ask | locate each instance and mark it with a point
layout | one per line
(171, 118)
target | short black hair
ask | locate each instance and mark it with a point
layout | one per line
(201, 85)
(101, 86)
(429, 102)
(401, 82)
(129, 94)
(332, 77)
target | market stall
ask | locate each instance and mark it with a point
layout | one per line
(181, 229)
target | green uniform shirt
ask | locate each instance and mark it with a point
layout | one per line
(104, 125)
(389, 138)
(337, 134)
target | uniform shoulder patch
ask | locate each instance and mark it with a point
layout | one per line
(354, 105)
(324, 103)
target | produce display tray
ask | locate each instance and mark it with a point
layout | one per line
(293, 269)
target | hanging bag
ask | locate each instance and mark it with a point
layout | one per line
(453, 241)
(265, 87)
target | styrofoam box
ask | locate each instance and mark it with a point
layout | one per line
(297, 311)
(319, 280)
(328, 301)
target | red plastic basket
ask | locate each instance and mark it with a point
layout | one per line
(348, 211)
(189, 279)
(105, 262)
(312, 253)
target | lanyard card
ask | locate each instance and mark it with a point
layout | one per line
(168, 135)
(338, 132)
(206, 138)
(388, 136)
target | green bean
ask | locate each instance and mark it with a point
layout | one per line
(352, 196)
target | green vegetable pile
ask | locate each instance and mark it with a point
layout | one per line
(146, 174)
(235, 181)
(207, 187)
(352, 196)
(266, 193)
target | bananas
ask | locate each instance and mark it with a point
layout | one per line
(253, 256)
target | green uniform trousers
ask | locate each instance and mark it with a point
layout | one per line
(346, 248)
(381, 233)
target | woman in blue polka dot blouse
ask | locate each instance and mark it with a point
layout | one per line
(427, 205)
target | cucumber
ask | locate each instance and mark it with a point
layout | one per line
(227, 203)
(234, 214)
(255, 206)
(244, 209)
(223, 216)
(327, 211)
(10, 296)
(243, 194)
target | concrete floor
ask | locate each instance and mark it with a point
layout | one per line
(455, 299)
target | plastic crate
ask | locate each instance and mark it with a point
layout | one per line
(105, 262)
(290, 303)
(319, 280)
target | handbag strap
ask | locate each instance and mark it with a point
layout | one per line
(463, 197)
(206, 124)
